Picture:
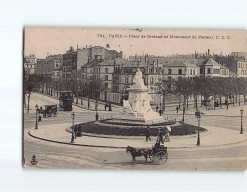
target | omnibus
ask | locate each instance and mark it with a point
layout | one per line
(65, 100)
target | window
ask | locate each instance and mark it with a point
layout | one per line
(179, 71)
(126, 79)
(209, 71)
(106, 77)
(106, 70)
(169, 71)
(190, 71)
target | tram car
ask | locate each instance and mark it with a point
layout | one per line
(65, 100)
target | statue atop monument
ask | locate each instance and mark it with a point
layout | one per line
(138, 81)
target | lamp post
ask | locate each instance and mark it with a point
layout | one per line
(73, 119)
(198, 115)
(36, 126)
(241, 112)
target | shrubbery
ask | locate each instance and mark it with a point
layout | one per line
(106, 129)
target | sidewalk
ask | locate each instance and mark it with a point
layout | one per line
(213, 137)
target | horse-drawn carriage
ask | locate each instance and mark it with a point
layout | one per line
(158, 154)
(50, 110)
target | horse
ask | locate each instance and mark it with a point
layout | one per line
(138, 152)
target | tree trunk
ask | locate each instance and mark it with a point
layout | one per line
(239, 99)
(201, 99)
(179, 103)
(196, 103)
(227, 102)
(163, 102)
(206, 102)
(187, 103)
(244, 99)
(24, 101)
(29, 96)
(76, 99)
(220, 102)
(214, 102)
(184, 104)
(81, 101)
(88, 102)
(233, 100)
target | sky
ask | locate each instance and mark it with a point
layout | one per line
(51, 41)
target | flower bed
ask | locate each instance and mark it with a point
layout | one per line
(107, 129)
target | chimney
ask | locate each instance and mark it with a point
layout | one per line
(208, 52)
(157, 62)
(135, 57)
(146, 58)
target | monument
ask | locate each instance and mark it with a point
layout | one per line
(137, 108)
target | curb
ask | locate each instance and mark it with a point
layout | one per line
(85, 145)
(115, 147)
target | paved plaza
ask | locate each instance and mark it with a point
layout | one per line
(222, 144)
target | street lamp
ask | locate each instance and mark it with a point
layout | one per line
(73, 119)
(241, 112)
(36, 126)
(198, 115)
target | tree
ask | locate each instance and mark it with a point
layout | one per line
(29, 87)
(183, 86)
(164, 87)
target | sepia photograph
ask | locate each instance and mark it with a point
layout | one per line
(134, 99)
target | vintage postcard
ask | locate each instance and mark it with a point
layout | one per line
(139, 99)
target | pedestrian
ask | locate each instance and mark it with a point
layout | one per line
(97, 116)
(79, 131)
(148, 134)
(160, 136)
(105, 107)
(75, 130)
(166, 135)
(177, 109)
(39, 116)
(168, 132)
(157, 108)
(160, 112)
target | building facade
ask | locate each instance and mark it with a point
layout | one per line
(30, 64)
(78, 63)
(51, 66)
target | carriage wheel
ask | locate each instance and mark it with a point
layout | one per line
(152, 158)
(161, 157)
